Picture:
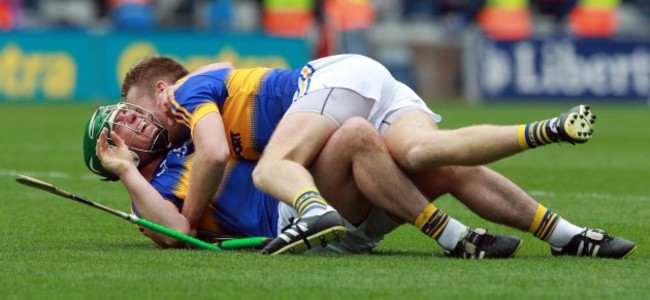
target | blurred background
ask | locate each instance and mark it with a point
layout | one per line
(447, 50)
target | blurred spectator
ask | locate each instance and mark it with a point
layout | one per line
(452, 15)
(62, 13)
(634, 18)
(506, 19)
(132, 14)
(343, 26)
(70, 13)
(247, 15)
(591, 18)
(643, 6)
(557, 9)
(288, 18)
(176, 13)
(419, 9)
(220, 14)
(10, 14)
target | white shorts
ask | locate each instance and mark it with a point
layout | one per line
(365, 77)
(359, 239)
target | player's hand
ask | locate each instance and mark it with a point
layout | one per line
(115, 159)
(167, 96)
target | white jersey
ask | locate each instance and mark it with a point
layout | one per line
(364, 76)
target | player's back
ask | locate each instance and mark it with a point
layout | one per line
(251, 103)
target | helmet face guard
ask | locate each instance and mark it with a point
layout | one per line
(144, 135)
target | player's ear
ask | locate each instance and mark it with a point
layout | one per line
(160, 85)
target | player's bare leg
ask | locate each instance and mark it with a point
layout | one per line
(415, 141)
(355, 158)
(282, 172)
(355, 153)
(496, 198)
(486, 192)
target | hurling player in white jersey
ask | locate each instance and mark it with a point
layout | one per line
(332, 90)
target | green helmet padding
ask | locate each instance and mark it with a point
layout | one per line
(102, 118)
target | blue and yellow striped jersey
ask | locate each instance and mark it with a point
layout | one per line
(238, 209)
(250, 101)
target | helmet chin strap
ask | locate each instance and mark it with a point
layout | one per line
(136, 158)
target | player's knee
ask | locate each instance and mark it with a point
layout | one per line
(356, 126)
(423, 155)
(259, 175)
(265, 173)
(358, 134)
(412, 158)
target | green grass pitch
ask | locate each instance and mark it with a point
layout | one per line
(52, 248)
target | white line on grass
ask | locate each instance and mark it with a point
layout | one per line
(48, 175)
(626, 197)
(548, 194)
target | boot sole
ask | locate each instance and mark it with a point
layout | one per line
(578, 125)
(320, 239)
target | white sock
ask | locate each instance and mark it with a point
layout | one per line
(563, 233)
(317, 211)
(449, 237)
(553, 122)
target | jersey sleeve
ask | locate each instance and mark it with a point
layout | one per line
(199, 95)
(170, 178)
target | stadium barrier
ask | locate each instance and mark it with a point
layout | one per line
(557, 68)
(63, 66)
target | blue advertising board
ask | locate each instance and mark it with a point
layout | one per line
(557, 68)
(65, 66)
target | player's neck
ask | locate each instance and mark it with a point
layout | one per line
(147, 170)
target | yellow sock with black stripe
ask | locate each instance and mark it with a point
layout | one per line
(308, 202)
(536, 134)
(438, 225)
(549, 226)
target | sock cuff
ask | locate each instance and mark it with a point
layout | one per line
(544, 226)
(537, 220)
(432, 221)
(425, 215)
(306, 198)
(521, 137)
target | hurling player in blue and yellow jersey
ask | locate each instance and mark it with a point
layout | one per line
(227, 113)
(238, 208)
(329, 92)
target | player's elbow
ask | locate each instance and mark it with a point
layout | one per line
(166, 241)
(169, 243)
(215, 156)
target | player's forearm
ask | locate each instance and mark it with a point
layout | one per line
(205, 178)
(211, 153)
(151, 206)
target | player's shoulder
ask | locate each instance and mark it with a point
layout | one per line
(208, 85)
(208, 78)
